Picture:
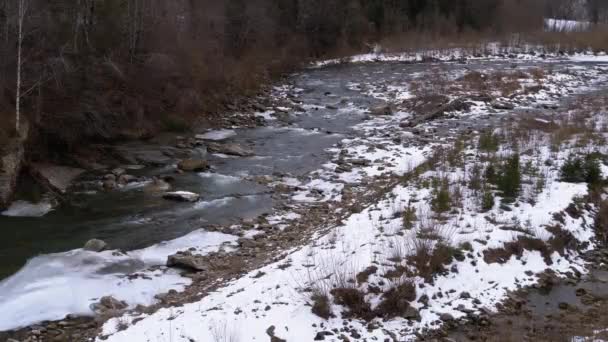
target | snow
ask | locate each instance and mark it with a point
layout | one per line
(217, 135)
(28, 209)
(590, 58)
(246, 307)
(563, 25)
(49, 287)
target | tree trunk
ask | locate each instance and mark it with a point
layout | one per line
(20, 18)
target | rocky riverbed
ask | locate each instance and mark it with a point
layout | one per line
(336, 141)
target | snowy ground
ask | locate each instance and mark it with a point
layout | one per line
(393, 233)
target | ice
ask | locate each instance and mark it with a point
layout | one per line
(28, 209)
(222, 134)
(49, 287)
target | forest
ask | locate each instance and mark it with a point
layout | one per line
(87, 68)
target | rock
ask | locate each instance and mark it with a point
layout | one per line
(12, 155)
(118, 172)
(230, 149)
(56, 177)
(563, 306)
(95, 245)
(126, 179)
(182, 196)
(480, 97)
(195, 165)
(502, 105)
(382, 110)
(186, 260)
(113, 303)
(109, 184)
(147, 155)
(157, 185)
(427, 115)
(446, 317)
(109, 177)
(465, 295)
(412, 313)
(108, 305)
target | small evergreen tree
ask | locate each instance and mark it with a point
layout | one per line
(509, 181)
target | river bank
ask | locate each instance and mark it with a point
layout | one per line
(360, 164)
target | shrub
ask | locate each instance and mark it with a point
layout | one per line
(487, 201)
(509, 181)
(396, 301)
(516, 248)
(475, 178)
(582, 170)
(441, 201)
(321, 306)
(409, 217)
(490, 174)
(430, 260)
(174, 124)
(354, 300)
(489, 142)
(601, 222)
(364, 275)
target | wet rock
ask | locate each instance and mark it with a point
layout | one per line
(113, 303)
(191, 165)
(126, 179)
(182, 196)
(321, 335)
(446, 317)
(481, 97)
(432, 113)
(188, 261)
(95, 245)
(382, 110)
(119, 172)
(107, 306)
(156, 186)
(502, 105)
(109, 184)
(56, 177)
(230, 149)
(412, 313)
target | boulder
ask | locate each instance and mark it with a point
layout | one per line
(119, 172)
(502, 105)
(182, 196)
(109, 305)
(186, 260)
(126, 179)
(193, 165)
(382, 110)
(157, 185)
(95, 245)
(230, 149)
(57, 177)
(453, 106)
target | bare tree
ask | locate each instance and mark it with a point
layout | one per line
(22, 11)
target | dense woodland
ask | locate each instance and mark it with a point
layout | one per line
(107, 69)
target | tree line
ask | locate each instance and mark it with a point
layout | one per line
(80, 67)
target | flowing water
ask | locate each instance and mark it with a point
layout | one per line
(131, 219)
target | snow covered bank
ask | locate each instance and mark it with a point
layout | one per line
(489, 246)
(49, 287)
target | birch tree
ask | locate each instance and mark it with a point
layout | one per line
(21, 13)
